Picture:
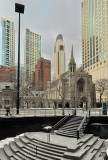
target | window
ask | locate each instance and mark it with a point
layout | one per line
(61, 47)
(6, 102)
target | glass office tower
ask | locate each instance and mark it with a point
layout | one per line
(8, 42)
(95, 38)
(32, 53)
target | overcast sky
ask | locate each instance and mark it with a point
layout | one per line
(47, 18)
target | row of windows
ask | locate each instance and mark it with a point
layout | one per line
(91, 62)
(86, 65)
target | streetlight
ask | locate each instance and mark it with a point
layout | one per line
(20, 9)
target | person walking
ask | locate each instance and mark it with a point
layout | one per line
(6, 111)
(9, 111)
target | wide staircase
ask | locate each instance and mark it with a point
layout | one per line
(69, 128)
(26, 147)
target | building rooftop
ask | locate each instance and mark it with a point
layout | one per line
(4, 84)
(59, 37)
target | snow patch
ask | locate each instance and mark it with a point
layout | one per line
(8, 140)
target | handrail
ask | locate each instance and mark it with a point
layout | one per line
(59, 122)
(63, 119)
(84, 120)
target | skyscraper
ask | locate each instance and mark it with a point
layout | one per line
(32, 53)
(59, 56)
(95, 38)
(8, 42)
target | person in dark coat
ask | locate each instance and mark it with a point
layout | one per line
(8, 111)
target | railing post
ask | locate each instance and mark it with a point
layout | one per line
(89, 113)
(48, 137)
(75, 111)
(54, 111)
(77, 134)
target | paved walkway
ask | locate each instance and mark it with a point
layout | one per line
(55, 139)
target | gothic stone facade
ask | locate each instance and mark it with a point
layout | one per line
(74, 88)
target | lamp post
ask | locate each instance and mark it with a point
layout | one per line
(20, 9)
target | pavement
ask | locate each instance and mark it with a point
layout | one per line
(54, 139)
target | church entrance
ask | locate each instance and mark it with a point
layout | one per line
(83, 103)
(60, 105)
(55, 104)
(67, 105)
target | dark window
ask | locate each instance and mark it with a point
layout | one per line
(61, 47)
(96, 58)
(93, 60)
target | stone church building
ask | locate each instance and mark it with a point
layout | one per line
(73, 88)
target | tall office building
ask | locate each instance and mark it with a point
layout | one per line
(59, 57)
(8, 42)
(32, 53)
(95, 38)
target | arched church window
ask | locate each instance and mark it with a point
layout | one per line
(80, 86)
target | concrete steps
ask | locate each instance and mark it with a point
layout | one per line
(71, 134)
(3, 155)
(86, 149)
(69, 129)
(26, 147)
(30, 148)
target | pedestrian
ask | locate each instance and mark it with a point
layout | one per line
(9, 111)
(6, 111)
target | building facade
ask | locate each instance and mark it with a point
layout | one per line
(59, 56)
(32, 53)
(41, 75)
(95, 39)
(8, 95)
(8, 42)
(73, 88)
(7, 74)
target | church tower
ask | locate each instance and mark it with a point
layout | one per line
(59, 57)
(72, 63)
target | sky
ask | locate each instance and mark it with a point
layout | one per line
(48, 18)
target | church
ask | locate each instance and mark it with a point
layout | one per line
(72, 89)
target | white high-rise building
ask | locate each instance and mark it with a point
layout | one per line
(59, 57)
(32, 53)
(8, 42)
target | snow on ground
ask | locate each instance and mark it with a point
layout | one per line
(106, 141)
(8, 140)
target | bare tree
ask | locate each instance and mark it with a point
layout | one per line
(101, 87)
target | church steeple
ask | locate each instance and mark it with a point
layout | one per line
(72, 53)
(72, 63)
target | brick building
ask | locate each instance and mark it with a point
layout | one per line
(7, 74)
(41, 75)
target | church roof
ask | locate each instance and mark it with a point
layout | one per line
(65, 78)
(54, 84)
